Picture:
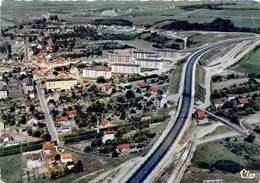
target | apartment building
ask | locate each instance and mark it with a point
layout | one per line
(126, 68)
(150, 63)
(97, 72)
(62, 84)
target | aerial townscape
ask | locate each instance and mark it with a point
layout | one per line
(129, 91)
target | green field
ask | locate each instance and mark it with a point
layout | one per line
(11, 168)
(222, 150)
(140, 13)
(251, 62)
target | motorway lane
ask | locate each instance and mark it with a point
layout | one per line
(152, 161)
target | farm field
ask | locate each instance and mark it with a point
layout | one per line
(250, 63)
(140, 13)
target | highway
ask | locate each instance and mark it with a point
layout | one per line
(184, 108)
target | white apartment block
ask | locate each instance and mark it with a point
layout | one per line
(114, 58)
(168, 54)
(97, 72)
(150, 63)
(143, 54)
(62, 84)
(126, 68)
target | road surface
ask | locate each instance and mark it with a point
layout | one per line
(175, 131)
(48, 118)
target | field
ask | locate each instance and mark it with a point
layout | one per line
(140, 13)
(11, 168)
(236, 150)
(250, 63)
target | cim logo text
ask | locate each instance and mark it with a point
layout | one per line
(245, 174)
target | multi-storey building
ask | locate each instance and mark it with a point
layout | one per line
(62, 84)
(97, 72)
(150, 63)
(126, 68)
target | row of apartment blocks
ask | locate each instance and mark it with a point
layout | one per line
(130, 63)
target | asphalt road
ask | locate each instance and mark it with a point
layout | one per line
(48, 118)
(152, 161)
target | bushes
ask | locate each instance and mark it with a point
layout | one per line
(16, 149)
(228, 166)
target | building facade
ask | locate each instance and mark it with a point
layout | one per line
(149, 63)
(62, 84)
(97, 72)
(126, 68)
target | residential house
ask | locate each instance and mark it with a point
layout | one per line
(123, 148)
(230, 96)
(34, 161)
(49, 149)
(32, 121)
(104, 123)
(108, 135)
(242, 101)
(66, 157)
(61, 120)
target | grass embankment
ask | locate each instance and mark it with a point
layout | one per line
(250, 63)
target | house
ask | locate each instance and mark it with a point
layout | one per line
(123, 148)
(32, 121)
(34, 161)
(71, 114)
(201, 115)
(61, 83)
(242, 101)
(49, 149)
(104, 123)
(125, 68)
(74, 71)
(153, 88)
(64, 128)
(61, 120)
(230, 96)
(6, 137)
(106, 88)
(31, 95)
(97, 72)
(66, 157)
(28, 84)
(218, 104)
(108, 135)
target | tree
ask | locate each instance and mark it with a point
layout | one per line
(130, 94)
(78, 166)
(36, 133)
(57, 157)
(32, 108)
(101, 79)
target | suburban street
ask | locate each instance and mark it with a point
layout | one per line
(49, 121)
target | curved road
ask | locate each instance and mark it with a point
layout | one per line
(152, 161)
